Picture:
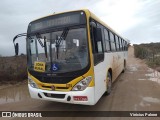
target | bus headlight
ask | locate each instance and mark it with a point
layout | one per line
(81, 85)
(32, 83)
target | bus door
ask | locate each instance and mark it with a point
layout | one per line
(98, 58)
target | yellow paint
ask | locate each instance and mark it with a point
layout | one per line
(91, 70)
(69, 85)
(39, 66)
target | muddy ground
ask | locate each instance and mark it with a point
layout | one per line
(138, 89)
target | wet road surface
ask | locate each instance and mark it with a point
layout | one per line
(138, 89)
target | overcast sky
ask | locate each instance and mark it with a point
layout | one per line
(137, 20)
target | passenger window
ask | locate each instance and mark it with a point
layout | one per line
(122, 44)
(120, 41)
(99, 45)
(113, 47)
(126, 46)
(107, 42)
(117, 42)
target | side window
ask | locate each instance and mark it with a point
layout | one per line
(126, 46)
(99, 46)
(117, 42)
(113, 47)
(107, 42)
(98, 43)
(123, 44)
(120, 42)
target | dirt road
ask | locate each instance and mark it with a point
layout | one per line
(138, 89)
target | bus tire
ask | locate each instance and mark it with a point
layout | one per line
(108, 84)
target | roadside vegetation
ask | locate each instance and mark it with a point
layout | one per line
(13, 69)
(150, 53)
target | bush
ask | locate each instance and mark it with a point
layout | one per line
(140, 52)
(150, 52)
(13, 69)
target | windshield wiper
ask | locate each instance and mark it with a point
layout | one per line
(62, 37)
(39, 37)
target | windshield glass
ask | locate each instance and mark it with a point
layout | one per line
(60, 51)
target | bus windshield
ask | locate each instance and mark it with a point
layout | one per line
(60, 53)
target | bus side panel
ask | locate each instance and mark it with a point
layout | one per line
(120, 64)
(100, 72)
(122, 56)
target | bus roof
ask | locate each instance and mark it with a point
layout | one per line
(104, 24)
(85, 10)
(88, 12)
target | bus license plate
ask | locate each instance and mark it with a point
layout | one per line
(80, 98)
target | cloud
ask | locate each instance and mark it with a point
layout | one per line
(16, 14)
(119, 14)
(137, 20)
(148, 29)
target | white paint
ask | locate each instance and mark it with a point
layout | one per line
(100, 72)
(101, 69)
(89, 92)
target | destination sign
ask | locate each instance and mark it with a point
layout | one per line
(57, 20)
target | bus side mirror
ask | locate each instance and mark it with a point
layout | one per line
(16, 49)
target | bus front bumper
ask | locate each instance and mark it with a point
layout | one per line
(85, 97)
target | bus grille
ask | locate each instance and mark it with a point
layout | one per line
(60, 96)
(56, 87)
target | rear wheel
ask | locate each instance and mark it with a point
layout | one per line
(108, 84)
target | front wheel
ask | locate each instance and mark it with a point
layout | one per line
(108, 84)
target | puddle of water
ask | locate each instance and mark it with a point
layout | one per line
(153, 76)
(14, 93)
(141, 79)
(135, 107)
(133, 68)
(144, 104)
(129, 72)
(150, 70)
(147, 101)
(151, 99)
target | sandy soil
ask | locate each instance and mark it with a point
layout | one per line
(138, 89)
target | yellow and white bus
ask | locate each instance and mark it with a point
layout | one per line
(72, 57)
